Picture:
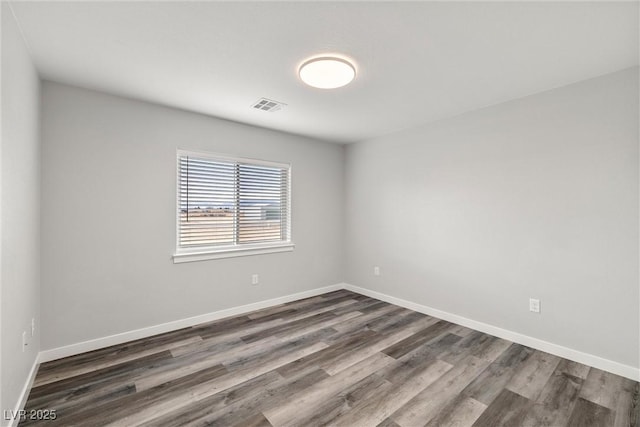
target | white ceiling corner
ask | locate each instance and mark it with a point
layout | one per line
(417, 61)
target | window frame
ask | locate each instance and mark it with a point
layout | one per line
(202, 253)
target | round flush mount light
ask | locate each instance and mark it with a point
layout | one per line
(327, 72)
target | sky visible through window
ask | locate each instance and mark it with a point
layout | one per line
(231, 203)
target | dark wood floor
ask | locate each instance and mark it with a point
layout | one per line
(338, 359)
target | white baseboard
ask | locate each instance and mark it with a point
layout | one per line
(558, 350)
(555, 349)
(95, 344)
(24, 394)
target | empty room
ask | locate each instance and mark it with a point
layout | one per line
(316, 213)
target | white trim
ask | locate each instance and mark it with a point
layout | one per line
(73, 349)
(230, 158)
(538, 344)
(186, 254)
(558, 350)
(230, 252)
(24, 394)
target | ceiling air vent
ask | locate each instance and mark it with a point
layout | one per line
(268, 105)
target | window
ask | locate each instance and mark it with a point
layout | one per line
(231, 207)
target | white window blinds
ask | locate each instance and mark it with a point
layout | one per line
(226, 202)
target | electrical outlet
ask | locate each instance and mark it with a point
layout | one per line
(33, 326)
(376, 271)
(254, 279)
(24, 341)
(534, 305)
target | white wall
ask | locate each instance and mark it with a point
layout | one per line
(20, 207)
(109, 188)
(536, 197)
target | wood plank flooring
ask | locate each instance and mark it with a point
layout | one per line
(339, 359)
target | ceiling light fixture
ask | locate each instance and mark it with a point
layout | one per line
(327, 72)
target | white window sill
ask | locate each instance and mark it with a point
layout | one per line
(205, 255)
